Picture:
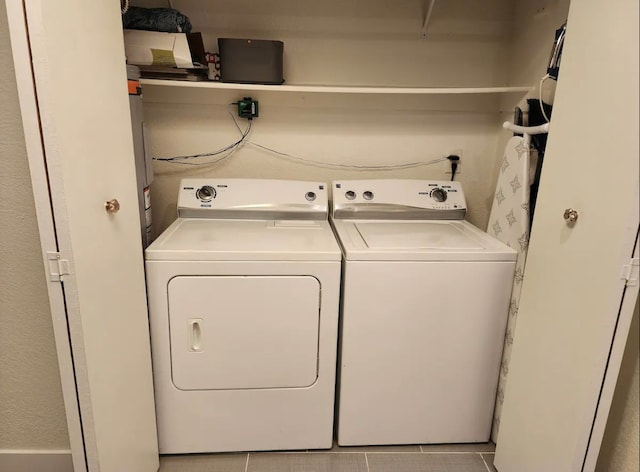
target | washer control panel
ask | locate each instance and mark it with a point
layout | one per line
(428, 199)
(252, 198)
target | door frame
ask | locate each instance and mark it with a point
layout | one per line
(47, 224)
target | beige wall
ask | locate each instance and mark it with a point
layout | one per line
(31, 408)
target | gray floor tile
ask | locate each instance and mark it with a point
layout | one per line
(337, 448)
(170, 463)
(307, 462)
(477, 447)
(204, 463)
(488, 458)
(426, 462)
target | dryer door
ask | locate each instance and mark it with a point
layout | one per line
(243, 332)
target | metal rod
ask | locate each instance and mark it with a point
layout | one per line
(530, 130)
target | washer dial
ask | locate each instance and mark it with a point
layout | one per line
(206, 193)
(439, 195)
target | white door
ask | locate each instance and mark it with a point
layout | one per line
(78, 96)
(572, 292)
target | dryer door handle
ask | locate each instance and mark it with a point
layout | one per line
(195, 334)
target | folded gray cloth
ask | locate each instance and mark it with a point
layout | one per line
(166, 20)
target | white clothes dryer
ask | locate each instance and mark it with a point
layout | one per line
(425, 298)
(243, 293)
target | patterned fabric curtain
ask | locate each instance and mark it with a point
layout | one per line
(509, 223)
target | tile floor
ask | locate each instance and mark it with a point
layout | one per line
(428, 458)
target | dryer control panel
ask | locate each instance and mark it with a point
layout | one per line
(252, 199)
(398, 199)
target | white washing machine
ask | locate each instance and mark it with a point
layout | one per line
(424, 306)
(243, 293)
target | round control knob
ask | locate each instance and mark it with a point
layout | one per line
(206, 193)
(367, 195)
(311, 196)
(350, 195)
(439, 195)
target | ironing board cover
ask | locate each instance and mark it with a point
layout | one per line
(509, 223)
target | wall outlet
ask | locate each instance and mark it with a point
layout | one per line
(458, 171)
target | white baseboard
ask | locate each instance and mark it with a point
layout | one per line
(31, 460)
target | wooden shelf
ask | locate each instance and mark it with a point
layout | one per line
(371, 90)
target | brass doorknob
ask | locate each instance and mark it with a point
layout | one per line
(571, 215)
(112, 206)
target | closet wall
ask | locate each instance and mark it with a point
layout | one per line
(32, 415)
(371, 42)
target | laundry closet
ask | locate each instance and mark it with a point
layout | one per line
(368, 85)
(371, 90)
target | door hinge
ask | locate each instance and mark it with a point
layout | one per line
(630, 272)
(58, 267)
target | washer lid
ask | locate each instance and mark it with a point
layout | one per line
(419, 240)
(197, 239)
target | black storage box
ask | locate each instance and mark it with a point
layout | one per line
(250, 61)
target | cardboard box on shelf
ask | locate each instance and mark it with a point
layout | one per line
(162, 49)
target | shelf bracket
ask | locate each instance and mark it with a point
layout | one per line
(427, 10)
